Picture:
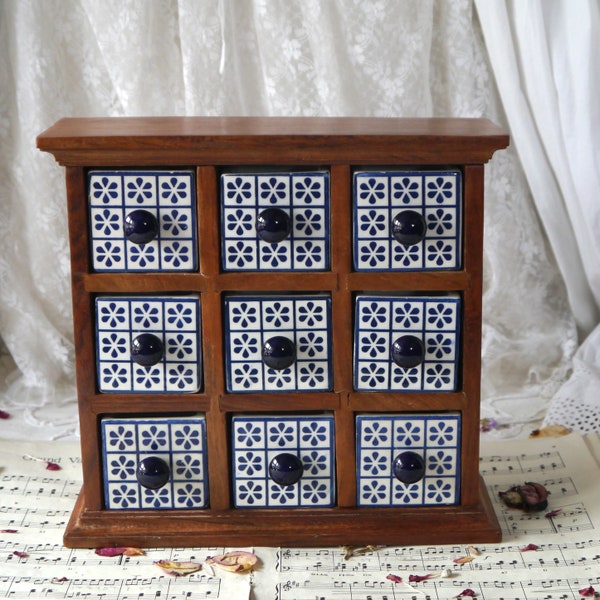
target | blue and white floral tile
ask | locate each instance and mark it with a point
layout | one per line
(302, 196)
(250, 321)
(379, 196)
(169, 196)
(381, 320)
(178, 441)
(174, 320)
(435, 438)
(257, 440)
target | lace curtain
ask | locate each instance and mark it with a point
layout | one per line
(258, 57)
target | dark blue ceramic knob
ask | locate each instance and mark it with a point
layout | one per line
(409, 467)
(285, 469)
(140, 226)
(279, 352)
(409, 227)
(146, 349)
(152, 472)
(408, 351)
(273, 225)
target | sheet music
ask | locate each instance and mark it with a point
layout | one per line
(35, 505)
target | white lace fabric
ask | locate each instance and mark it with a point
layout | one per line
(278, 57)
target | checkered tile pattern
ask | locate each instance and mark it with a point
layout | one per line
(168, 195)
(380, 320)
(257, 440)
(380, 195)
(180, 442)
(174, 320)
(251, 320)
(305, 199)
(381, 438)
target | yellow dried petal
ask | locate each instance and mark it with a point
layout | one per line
(463, 560)
(176, 568)
(238, 561)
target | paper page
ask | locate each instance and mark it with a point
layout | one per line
(36, 503)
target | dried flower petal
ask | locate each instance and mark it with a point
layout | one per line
(553, 513)
(237, 561)
(176, 568)
(588, 592)
(52, 466)
(468, 593)
(463, 560)
(529, 496)
(394, 578)
(446, 573)
(550, 431)
(4, 414)
(8, 531)
(473, 551)
(20, 554)
(418, 578)
(488, 424)
(118, 551)
(529, 547)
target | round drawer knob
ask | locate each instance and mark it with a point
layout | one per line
(152, 472)
(409, 467)
(408, 351)
(285, 469)
(140, 226)
(273, 225)
(146, 349)
(409, 227)
(279, 352)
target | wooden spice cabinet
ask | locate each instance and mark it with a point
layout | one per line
(338, 147)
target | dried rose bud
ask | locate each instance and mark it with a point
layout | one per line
(529, 497)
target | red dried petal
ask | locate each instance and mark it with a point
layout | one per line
(4, 414)
(468, 593)
(8, 531)
(417, 578)
(588, 592)
(20, 554)
(118, 551)
(553, 513)
(529, 547)
(51, 466)
(394, 578)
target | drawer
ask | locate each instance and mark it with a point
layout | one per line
(154, 463)
(408, 459)
(278, 343)
(275, 221)
(407, 220)
(283, 461)
(148, 344)
(406, 343)
(143, 220)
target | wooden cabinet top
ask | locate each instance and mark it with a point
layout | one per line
(131, 141)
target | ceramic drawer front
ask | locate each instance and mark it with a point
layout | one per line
(406, 343)
(283, 461)
(143, 220)
(278, 343)
(154, 463)
(275, 221)
(148, 344)
(408, 459)
(407, 220)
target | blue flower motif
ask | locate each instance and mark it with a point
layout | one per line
(439, 491)
(409, 433)
(272, 190)
(250, 492)
(238, 190)
(122, 467)
(372, 253)
(309, 253)
(405, 378)
(308, 222)
(313, 433)
(139, 190)
(279, 378)
(372, 374)
(274, 254)
(311, 344)
(239, 254)
(250, 463)
(314, 491)
(439, 252)
(239, 222)
(107, 222)
(142, 254)
(440, 462)
(276, 314)
(372, 222)
(374, 492)
(156, 498)
(105, 190)
(440, 315)
(371, 190)
(311, 313)
(248, 434)
(177, 254)
(281, 434)
(308, 189)
(187, 437)
(245, 345)
(108, 253)
(175, 222)
(440, 190)
(438, 376)
(114, 375)
(407, 493)
(373, 344)
(407, 315)
(148, 377)
(153, 438)
(375, 463)
(244, 314)
(113, 345)
(190, 495)
(442, 432)
(440, 221)
(124, 496)
(180, 347)
(315, 463)
(245, 375)
(180, 315)
(406, 190)
(174, 189)
(373, 314)
(439, 346)
(376, 434)
(112, 314)
(121, 439)
(146, 315)
(406, 256)
(312, 375)
(188, 467)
